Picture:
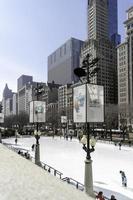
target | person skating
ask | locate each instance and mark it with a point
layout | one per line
(33, 147)
(16, 140)
(124, 178)
(120, 145)
(125, 181)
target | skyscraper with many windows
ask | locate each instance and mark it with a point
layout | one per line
(102, 29)
(103, 20)
(125, 73)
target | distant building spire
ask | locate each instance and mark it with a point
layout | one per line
(7, 93)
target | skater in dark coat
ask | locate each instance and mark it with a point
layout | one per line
(32, 147)
(16, 140)
(120, 145)
(124, 178)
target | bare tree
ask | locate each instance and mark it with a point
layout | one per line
(111, 118)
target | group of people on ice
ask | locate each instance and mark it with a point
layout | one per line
(100, 195)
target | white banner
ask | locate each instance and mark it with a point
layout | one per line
(63, 119)
(79, 104)
(95, 103)
(37, 111)
(1, 118)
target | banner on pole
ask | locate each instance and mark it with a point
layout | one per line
(63, 119)
(37, 111)
(79, 104)
(95, 103)
(1, 118)
(88, 103)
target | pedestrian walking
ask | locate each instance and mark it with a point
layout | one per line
(115, 143)
(125, 181)
(71, 137)
(129, 142)
(16, 140)
(32, 147)
(100, 196)
(66, 137)
(124, 178)
(113, 197)
(120, 145)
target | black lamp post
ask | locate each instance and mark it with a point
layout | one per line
(37, 133)
(88, 70)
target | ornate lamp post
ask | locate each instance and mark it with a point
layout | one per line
(37, 135)
(88, 70)
(88, 180)
(38, 91)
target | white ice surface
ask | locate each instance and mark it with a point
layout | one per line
(68, 157)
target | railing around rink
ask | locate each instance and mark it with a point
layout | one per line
(49, 169)
(79, 185)
(72, 181)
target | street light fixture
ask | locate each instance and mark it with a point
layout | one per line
(88, 70)
(88, 162)
(37, 135)
(92, 144)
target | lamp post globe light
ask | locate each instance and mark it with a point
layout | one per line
(37, 135)
(88, 70)
(88, 146)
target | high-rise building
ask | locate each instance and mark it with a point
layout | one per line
(102, 25)
(24, 85)
(7, 101)
(125, 73)
(65, 102)
(103, 20)
(15, 104)
(63, 61)
(52, 114)
(22, 80)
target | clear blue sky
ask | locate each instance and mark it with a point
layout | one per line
(30, 30)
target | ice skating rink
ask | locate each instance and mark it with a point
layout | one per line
(68, 157)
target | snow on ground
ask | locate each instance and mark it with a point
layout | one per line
(68, 157)
(20, 179)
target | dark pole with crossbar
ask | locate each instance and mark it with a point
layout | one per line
(81, 72)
